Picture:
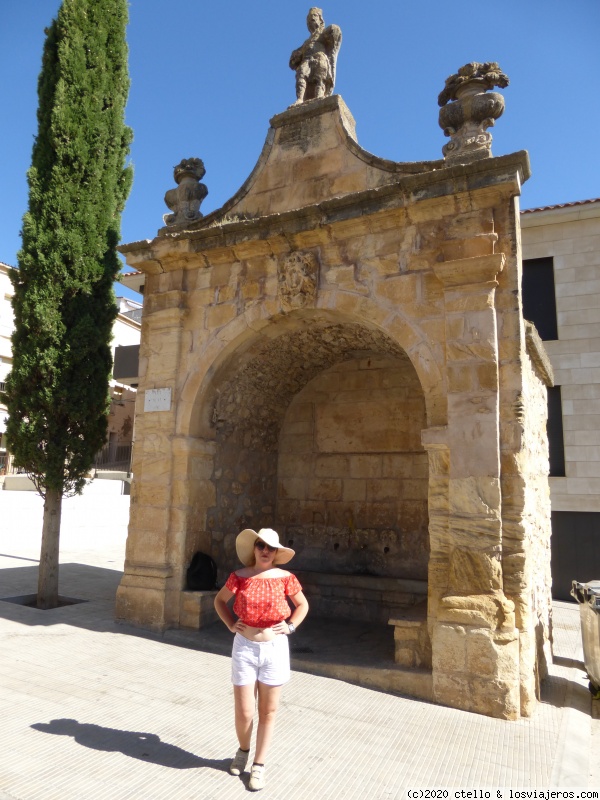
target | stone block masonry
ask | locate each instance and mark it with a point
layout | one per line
(348, 363)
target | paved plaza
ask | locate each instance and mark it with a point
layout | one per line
(95, 710)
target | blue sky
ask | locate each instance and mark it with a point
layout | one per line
(207, 76)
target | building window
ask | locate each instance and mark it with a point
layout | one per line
(555, 433)
(539, 299)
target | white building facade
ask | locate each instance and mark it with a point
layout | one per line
(6, 329)
(126, 332)
(561, 262)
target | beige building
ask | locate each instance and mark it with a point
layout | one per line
(561, 291)
(339, 352)
(6, 329)
(126, 332)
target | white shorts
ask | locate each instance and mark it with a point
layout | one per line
(267, 662)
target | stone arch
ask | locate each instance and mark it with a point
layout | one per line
(241, 339)
(242, 401)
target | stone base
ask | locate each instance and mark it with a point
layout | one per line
(477, 669)
(196, 609)
(412, 646)
(143, 598)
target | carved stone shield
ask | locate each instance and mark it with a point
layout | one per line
(298, 276)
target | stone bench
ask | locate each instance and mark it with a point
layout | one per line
(197, 609)
(362, 598)
(412, 646)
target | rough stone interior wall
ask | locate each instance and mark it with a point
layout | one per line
(353, 475)
(245, 480)
(250, 408)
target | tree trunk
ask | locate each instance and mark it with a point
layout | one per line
(48, 574)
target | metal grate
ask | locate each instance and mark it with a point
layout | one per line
(114, 457)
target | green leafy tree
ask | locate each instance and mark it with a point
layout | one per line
(64, 305)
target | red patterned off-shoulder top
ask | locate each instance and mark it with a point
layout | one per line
(261, 602)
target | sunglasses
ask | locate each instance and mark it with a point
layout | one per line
(263, 545)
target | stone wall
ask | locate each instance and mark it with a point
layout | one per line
(526, 547)
(352, 478)
(337, 466)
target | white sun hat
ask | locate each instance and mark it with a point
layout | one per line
(244, 545)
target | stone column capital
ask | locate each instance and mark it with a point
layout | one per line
(470, 271)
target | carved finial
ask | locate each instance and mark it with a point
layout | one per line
(468, 109)
(185, 200)
(314, 61)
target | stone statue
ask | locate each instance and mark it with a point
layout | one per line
(468, 108)
(314, 61)
(185, 200)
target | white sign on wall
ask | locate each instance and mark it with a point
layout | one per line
(157, 400)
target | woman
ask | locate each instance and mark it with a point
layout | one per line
(260, 658)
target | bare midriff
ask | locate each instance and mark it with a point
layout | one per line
(258, 634)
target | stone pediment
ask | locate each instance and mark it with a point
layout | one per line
(310, 155)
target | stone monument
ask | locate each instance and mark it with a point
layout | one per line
(348, 362)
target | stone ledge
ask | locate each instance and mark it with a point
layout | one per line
(538, 355)
(416, 683)
(366, 598)
(374, 582)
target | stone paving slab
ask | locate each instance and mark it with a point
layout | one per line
(91, 709)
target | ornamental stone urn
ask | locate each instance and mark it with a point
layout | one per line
(185, 200)
(468, 108)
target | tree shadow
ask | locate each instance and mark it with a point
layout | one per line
(20, 558)
(146, 747)
(79, 583)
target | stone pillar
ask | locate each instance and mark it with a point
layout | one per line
(474, 639)
(148, 594)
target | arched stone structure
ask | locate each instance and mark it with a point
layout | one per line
(357, 484)
(333, 268)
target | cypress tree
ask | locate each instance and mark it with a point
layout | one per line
(64, 305)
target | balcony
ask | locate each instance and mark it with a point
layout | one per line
(125, 368)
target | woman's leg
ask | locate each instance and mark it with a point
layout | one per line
(268, 703)
(245, 702)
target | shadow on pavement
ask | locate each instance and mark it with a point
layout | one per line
(75, 580)
(143, 746)
(572, 663)
(79, 582)
(565, 693)
(20, 558)
(320, 641)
